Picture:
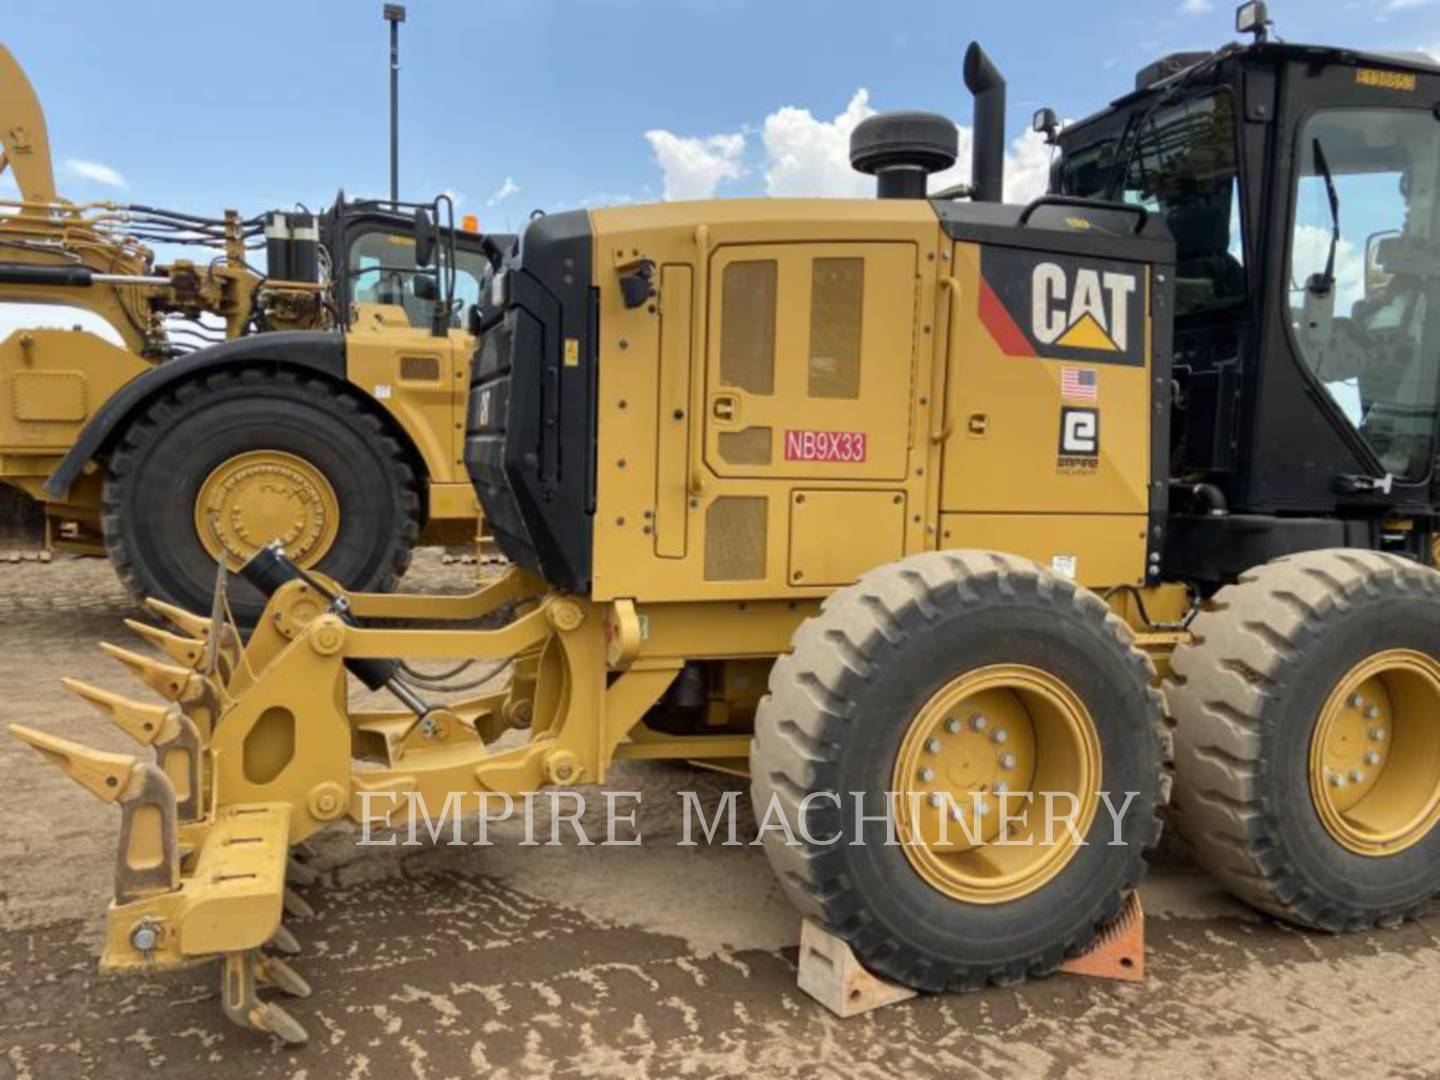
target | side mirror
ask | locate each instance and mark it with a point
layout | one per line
(427, 237)
(424, 287)
(1377, 274)
(1046, 123)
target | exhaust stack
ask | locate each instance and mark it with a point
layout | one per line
(987, 164)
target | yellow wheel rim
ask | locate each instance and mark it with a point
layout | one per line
(264, 495)
(979, 755)
(1375, 754)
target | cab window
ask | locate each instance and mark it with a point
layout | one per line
(1181, 162)
(382, 271)
(1364, 274)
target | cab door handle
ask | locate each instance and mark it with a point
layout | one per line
(725, 407)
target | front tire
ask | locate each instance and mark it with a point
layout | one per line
(1307, 745)
(935, 656)
(225, 464)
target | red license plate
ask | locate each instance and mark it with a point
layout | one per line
(842, 446)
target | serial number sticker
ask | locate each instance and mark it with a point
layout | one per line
(842, 446)
(1386, 80)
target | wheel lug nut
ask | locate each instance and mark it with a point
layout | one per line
(935, 799)
(952, 725)
(1337, 779)
(978, 722)
(1001, 788)
(1356, 775)
(1356, 701)
(982, 808)
(1000, 735)
(927, 774)
(1007, 761)
(932, 746)
(1372, 712)
(1372, 758)
(1377, 734)
(956, 814)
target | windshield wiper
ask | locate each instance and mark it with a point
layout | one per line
(1320, 284)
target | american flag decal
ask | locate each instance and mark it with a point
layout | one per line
(1081, 384)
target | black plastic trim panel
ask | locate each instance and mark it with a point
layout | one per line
(530, 435)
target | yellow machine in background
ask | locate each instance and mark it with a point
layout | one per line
(342, 363)
(889, 499)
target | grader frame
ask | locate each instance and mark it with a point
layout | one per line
(207, 828)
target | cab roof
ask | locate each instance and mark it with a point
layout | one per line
(1273, 52)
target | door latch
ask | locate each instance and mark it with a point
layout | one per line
(725, 407)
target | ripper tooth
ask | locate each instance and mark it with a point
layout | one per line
(195, 693)
(186, 650)
(273, 971)
(167, 680)
(301, 874)
(296, 905)
(174, 736)
(242, 1003)
(284, 942)
(148, 860)
(146, 724)
(192, 624)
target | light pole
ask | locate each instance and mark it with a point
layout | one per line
(394, 15)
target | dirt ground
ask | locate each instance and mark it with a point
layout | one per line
(657, 960)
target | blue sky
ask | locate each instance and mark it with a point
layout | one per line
(516, 104)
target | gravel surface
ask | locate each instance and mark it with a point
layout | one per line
(659, 960)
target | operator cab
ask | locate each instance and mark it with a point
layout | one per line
(376, 246)
(1300, 185)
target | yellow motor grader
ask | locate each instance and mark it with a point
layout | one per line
(319, 402)
(941, 512)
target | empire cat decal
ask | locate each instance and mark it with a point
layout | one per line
(1062, 307)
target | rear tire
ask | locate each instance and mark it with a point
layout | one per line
(848, 699)
(166, 455)
(1270, 655)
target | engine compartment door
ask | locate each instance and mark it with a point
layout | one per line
(810, 354)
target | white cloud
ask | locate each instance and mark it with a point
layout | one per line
(810, 158)
(94, 171)
(1401, 5)
(805, 156)
(1197, 7)
(694, 166)
(503, 192)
